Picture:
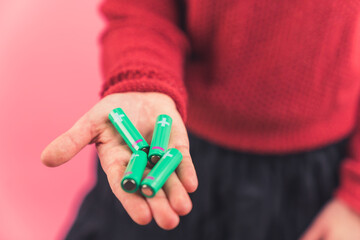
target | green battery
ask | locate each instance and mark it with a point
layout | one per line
(161, 172)
(127, 130)
(160, 138)
(134, 172)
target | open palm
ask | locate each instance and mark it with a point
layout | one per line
(142, 109)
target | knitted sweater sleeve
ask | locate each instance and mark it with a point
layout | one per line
(349, 188)
(144, 49)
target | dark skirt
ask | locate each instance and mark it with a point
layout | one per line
(240, 196)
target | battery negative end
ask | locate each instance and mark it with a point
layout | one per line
(129, 185)
(154, 159)
(145, 149)
(147, 191)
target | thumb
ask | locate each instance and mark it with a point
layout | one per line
(186, 170)
(67, 145)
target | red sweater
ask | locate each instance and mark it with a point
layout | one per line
(256, 76)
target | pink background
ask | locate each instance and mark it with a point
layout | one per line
(49, 77)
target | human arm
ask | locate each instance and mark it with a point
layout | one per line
(144, 49)
(340, 218)
(143, 54)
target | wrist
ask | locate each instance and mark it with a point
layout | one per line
(162, 90)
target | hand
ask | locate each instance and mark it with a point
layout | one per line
(172, 200)
(335, 222)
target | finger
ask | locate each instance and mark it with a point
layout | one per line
(67, 145)
(114, 160)
(178, 197)
(315, 232)
(163, 214)
(186, 170)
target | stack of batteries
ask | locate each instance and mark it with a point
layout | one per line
(163, 160)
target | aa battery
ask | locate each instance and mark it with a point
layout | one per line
(157, 177)
(160, 138)
(134, 172)
(127, 130)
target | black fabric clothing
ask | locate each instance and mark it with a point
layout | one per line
(240, 196)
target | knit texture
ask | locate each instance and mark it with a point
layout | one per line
(260, 76)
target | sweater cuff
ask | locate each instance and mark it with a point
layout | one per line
(349, 189)
(150, 85)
